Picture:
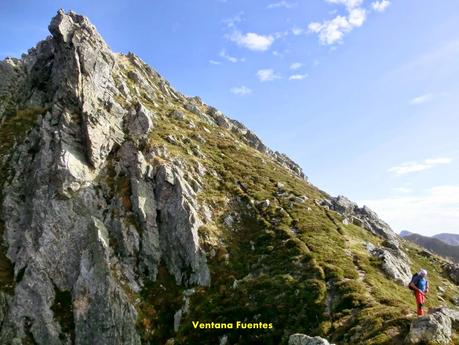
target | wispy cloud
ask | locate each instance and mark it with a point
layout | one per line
(252, 40)
(347, 3)
(421, 99)
(332, 31)
(298, 76)
(268, 74)
(380, 6)
(282, 4)
(417, 166)
(297, 31)
(241, 90)
(295, 65)
(214, 62)
(432, 211)
(224, 55)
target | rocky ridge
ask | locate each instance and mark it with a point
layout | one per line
(129, 209)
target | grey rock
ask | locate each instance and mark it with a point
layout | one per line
(452, 271)
(229, 220)
(220, 119)
(171, 139)
(193, 108)
(140, 122)
(264, 203)
(180, 222)
(177, 319)
(80, 183)
(361, 216)
(178, 115)
(253, 141)
(430, 329)
(453, 314)
(298, 199)
(303, 339)
(223, 340)
(455, 300)
(394, 264)
(357, 221)
(87, 69)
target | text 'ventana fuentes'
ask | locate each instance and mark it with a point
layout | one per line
(232, 325)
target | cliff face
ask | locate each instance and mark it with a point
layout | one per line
(129, 210)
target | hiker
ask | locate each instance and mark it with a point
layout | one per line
(420, 287)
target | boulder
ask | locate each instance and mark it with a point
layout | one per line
(452, 271)
(303, 339)
(430, 329)
(140, 123)
(393, 264)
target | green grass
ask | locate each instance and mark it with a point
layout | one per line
(293, 264)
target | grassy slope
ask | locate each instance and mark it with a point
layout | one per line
(293, 264)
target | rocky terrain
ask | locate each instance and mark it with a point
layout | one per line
(129, 210)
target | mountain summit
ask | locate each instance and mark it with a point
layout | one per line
(131, 213)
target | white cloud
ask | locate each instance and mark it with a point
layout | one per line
(357, 17)
(267, 75)
(298, 76)
(414, 166)
(421, 99)
(332, 31)
(213, 62)
(223, 54)
(282, 4)
(241, 90)
(348, 3)
(380, 6)
(296, 65)
(252, 41)
(433, 211)
(297, 31)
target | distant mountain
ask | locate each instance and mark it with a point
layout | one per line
(405, 233)
(451, 239)
(435, 245)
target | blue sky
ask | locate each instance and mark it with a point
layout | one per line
(362, 94)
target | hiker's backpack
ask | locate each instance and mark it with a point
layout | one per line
(414, 279)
